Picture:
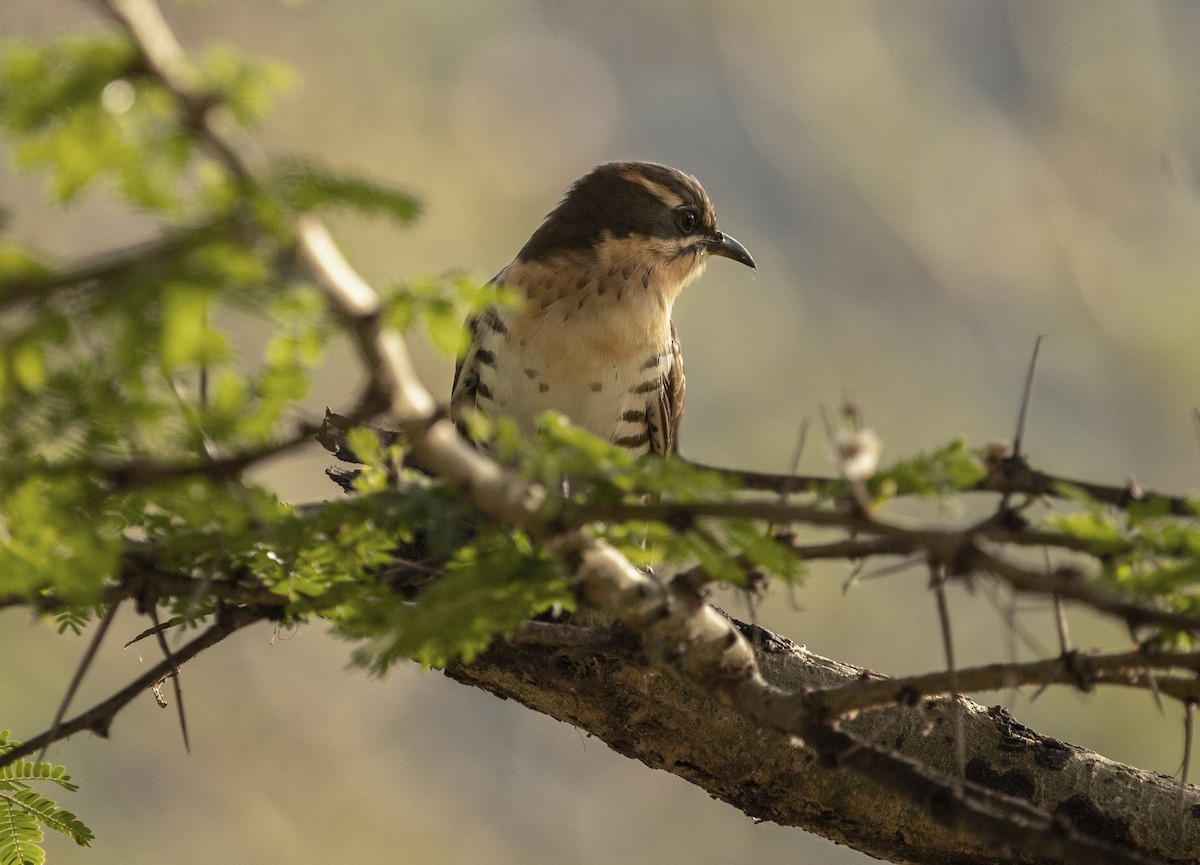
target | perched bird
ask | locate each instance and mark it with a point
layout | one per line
(593, 338)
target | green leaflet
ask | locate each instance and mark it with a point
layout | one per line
(488, 588)
(24, 812)
(304, 185)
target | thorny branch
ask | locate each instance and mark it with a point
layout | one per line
(99, 717)
(1007, 473)
(962, 550)
(84, 665)
(698, 645)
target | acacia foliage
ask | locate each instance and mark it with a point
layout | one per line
(131, 413)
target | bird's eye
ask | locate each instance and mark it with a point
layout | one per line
(686, 219)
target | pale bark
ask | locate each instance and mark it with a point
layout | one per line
(644, 714)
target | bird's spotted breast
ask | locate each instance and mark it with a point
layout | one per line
(609, 397)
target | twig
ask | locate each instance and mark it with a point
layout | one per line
(1189, 729)
(81, 669)
(100, 716)
(801, 437)
(938, 584)
(109, 265)
(152, 606)
(167, 61)
(139, 472)
(1070, 585)
(1196, 423)
(1189, 721)
(156, 628)
(958, 548)
(138, 572)
(1011, 475)
(1123, 668)
(1026, 394)
(1060, 621)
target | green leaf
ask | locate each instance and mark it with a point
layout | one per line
(24, 811)
(441, 304)
(27, 362)
(763, 551)
(19, 263)
(951, 468)
(143, 152)
(40, 83)
(305, 186)
(1101, 532)
(20, 834)
(49, 543)
(26, 770)
(247, 87)
(444, 326)
(46, 812)
(186, 338)
(489, 587)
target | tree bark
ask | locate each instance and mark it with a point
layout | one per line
(642, 713)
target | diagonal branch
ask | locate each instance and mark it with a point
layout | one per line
(110, 265)
(623, 699)
(81, 669)
(172, 674)
(1078, 669)
(1005, 474)
(959, 549)
(99, 717)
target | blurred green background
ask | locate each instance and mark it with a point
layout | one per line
(926, 186)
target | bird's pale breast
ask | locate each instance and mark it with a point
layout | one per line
(599, 363)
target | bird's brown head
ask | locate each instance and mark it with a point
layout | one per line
(640, 218)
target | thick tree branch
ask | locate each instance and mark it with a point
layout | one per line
(629, 703)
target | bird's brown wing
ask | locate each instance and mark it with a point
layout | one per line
(472, 387)
(483, 330)
(666, 411)
(466, 375)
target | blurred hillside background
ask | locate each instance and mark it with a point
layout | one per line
(926, 187)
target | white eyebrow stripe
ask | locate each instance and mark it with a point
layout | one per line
(666, 196)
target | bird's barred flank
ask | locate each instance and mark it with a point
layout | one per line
(491, 319)
(633, 441)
